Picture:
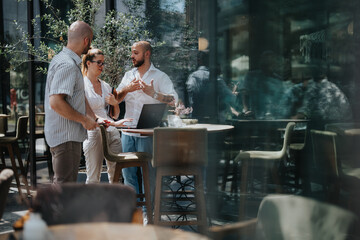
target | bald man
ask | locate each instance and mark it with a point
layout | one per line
(143, 84)
(67, 112)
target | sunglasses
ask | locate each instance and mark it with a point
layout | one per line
(99, 63)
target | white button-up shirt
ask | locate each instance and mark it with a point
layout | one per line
(97, 102)
(134, 101)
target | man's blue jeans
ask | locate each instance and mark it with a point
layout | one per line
(137, 144)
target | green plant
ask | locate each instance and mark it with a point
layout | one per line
(115, 37)
(177, 57)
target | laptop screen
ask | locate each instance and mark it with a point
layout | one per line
(151, 115)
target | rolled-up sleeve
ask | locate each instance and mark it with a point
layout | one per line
(166, 86)
(64, 79)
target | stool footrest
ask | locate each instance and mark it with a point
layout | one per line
(178, 223)
(179, 212)
(177, 192)
(180, 199)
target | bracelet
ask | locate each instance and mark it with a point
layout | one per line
(96, 119)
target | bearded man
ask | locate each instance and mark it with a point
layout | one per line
(142, 85)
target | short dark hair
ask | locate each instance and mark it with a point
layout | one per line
(145, 45)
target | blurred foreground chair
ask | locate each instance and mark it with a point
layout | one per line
(80, 203)
(12, 145)
(246, 158)
(6, 177)
(180, 152)
(290, 217)
(131, 159)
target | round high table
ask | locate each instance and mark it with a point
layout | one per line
(211, 128)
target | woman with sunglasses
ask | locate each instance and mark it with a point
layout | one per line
(99, 96)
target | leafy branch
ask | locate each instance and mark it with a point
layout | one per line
(115, 37)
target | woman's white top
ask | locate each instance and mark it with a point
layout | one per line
(97, 102)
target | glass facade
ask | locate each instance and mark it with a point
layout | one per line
(15, 84)
(253, 64)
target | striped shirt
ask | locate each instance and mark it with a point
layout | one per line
(64, 77)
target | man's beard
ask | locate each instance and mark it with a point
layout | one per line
(139, 63)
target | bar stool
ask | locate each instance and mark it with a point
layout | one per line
(266, 157)
(327, 163)
(180, 152)
(228, 166)
(297, 152)
(130, 159)
(11, 143)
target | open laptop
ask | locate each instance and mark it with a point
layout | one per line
(150, 116)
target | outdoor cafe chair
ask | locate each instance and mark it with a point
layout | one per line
(325, 159)
(130, 159)
(291, 217)
(298, 150)
(247, 159)
(46, 156)
(180, 152)
(12, 145)
(347, 142)
(70, 203)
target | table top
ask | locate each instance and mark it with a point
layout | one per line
(267, 120)
(344, 129)
(211, 128)
(352, 132)
(110, 231)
